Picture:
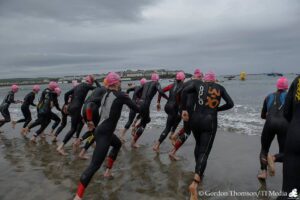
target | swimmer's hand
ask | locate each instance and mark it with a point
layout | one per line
(185, 115)
(91, 125)
(65, 109)
(158, 107)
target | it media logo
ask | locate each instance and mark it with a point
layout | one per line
(293, 194)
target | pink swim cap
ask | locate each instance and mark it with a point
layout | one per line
(180, 76)
(210, 76)
(155, 77)
(57, 91)
(52, 85)
(112, 78)
(198, 73)
(90, 79)
(282, 83)
(36, 88)
(143, 81)
(14, 88)
(75, 83)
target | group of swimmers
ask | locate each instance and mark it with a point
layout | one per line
(196, 101)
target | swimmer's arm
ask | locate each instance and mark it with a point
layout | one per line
(131, 104)
(129, 90)
(191, 88)
(56, 104)
(32, 97)
(228, 101)
(288, 105)
(165, 89)
(160, 91)
(97, 83)
(67, 95)
(264, 110)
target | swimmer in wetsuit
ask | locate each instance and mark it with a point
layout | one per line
(64, 115)
(45, 115)
(4, 107)
(179, 138)
(74, 109)
(132, 114)
(172, 108)
(110, 112)
(149, 90)
(204, 120)
(90, 113)
(28, 101)
(275, 124)
(291, 161)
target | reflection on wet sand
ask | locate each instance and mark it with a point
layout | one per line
(35, 171)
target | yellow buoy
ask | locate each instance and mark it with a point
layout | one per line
(243, 76)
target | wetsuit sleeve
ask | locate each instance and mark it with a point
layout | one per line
(129, 90)
(67, 95)
(11, 98)
(184, 95)
(131, 104)
(165, 89)
(97, 83)
(264, 109)
(228, 101)
(288, 106)
(55, 102)
(31, 99)
(160, 91)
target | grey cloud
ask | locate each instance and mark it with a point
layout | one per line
(37, 40)
(75, 10)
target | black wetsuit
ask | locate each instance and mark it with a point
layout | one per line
(135, 98)
(275, 124)
(90, 112)
(148, 90)
(28, 100)
(10, 98)
(64, 118)
(78, 97)
(185, 132)
(204, 120)
(291, 162)
(47, 100)
(172, 108)
(54, 116)
(110, 112)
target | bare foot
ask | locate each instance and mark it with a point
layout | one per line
(61, 151)
(173, 157)
(43, 135)
(33, 139)
(156, 148)
(82, 155)
(135, 145)
(108, 174)
(77, 198)
(271, 165)
(193, 191)
(13, 124)
(262, 175)
(54, 139)
(26, 131)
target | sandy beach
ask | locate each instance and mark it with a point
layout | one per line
(35, 171)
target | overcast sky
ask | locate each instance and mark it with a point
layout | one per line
(54, 38)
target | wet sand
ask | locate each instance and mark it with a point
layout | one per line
(35, 171)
